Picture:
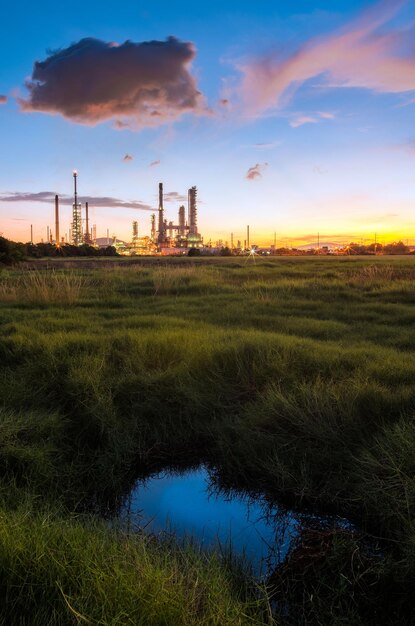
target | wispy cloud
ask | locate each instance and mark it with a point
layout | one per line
(301, 120)
(128, 157)
(93, 201)
(154, 163)
(256, 171)
(3, 99)
(135, 84)
(267, 146)
(365, 53)
(326, 115)
(174, 196)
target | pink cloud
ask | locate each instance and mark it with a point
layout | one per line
(255, 171)
(301, 120)
(3, 99)
(326, 115)
(154, 163)
(136, 84)
(128, 157)
(359, 55)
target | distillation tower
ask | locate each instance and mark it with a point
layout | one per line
(77, 237)
(183, 234)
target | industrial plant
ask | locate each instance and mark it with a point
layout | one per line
(166, 237)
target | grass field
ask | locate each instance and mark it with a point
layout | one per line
(289, 377)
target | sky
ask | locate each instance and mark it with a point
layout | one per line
(296, 118)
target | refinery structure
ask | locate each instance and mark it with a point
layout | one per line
(166, 237)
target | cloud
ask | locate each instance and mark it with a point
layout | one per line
(128, 157)
(267, 146)
(136, 84)
(362, 54)
(174, 196)
(154, 163)
(408, 147)
(93, 201)
(301, 120)
(3, 99)
(256, 171)
(326, 115)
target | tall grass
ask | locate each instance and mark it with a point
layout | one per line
(40, 287)
(289, 378)
(74, 571)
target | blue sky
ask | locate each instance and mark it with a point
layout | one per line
(316, 102)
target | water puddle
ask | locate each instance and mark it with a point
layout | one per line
(188, 505)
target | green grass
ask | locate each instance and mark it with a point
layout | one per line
(77, 571)
(292, 378)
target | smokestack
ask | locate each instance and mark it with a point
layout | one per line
(77, 235)
(31, 234)
(87, 239)
(108, 236)
(247, 236)
(182, 220)
(153, 228)
(75, 176)
(57, 221)
(161, 214)
(47, 238)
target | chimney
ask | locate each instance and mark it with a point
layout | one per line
(57, 239)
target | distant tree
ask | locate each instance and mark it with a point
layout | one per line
(193, 252)
(33, 250)
(11, 252)
(225, 251)
(87, 250)
(397, 247)
(374, 248)
(109, 251)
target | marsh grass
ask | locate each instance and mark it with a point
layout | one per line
(40, 287)
(289, 378)
(77, 570)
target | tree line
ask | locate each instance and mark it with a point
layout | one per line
(13, 252)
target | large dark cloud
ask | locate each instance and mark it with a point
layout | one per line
(136, 84)
(94, 201)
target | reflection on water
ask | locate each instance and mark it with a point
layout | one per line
(188, 505)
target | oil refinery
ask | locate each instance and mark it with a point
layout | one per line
(166, 237)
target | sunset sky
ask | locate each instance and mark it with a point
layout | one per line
(294, 117)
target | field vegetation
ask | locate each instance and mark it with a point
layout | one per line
(291, 378)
